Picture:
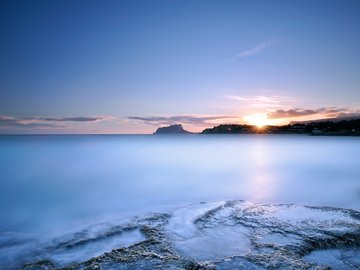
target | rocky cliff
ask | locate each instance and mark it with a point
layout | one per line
(172, 129)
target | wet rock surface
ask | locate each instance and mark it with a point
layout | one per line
(226, 235)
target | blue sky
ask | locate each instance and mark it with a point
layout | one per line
(130, 66)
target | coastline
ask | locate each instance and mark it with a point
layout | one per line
(218, 235)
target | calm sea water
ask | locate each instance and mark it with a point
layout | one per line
(52, 184)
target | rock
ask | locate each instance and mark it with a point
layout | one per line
(230, 235)
(172, 129)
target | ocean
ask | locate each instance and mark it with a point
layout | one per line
(54, 186)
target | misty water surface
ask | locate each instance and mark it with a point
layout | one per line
(51, 184)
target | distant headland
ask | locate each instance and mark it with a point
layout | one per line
(327, 127)
(172, 129)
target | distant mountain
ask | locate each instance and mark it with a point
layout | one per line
(172, 129)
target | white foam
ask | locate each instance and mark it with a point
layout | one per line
(215, 243)
(280, 239)
(91, 249)
(302, 216)
(336, 258)
(80, 249)
(206, 243)
(181, 225)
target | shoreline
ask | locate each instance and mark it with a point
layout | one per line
(214, 235)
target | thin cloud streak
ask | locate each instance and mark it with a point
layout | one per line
(183, 119)
(326, 112)
(53, 122)
(263, 101)
(256, 49)
(74, 119)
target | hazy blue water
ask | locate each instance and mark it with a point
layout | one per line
(49, 184)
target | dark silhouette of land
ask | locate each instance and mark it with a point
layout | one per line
(172, 129)
(331, 128)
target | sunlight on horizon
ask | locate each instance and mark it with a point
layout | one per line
(258, 120)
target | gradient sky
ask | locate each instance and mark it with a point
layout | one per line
(130, 66)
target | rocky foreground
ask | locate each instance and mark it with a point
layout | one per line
(221, 235)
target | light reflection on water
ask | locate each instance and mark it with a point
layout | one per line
(51, 183)
(260, 181)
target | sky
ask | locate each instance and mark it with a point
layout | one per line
(86, 66)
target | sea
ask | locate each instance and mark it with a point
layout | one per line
(52, 186)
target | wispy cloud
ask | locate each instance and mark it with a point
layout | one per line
(183, 119)
(31, 122)
(76, 119)
(256, 49)
(8, 121)
(326, 112)
(263, 101)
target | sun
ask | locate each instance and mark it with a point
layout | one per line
(258, 120)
